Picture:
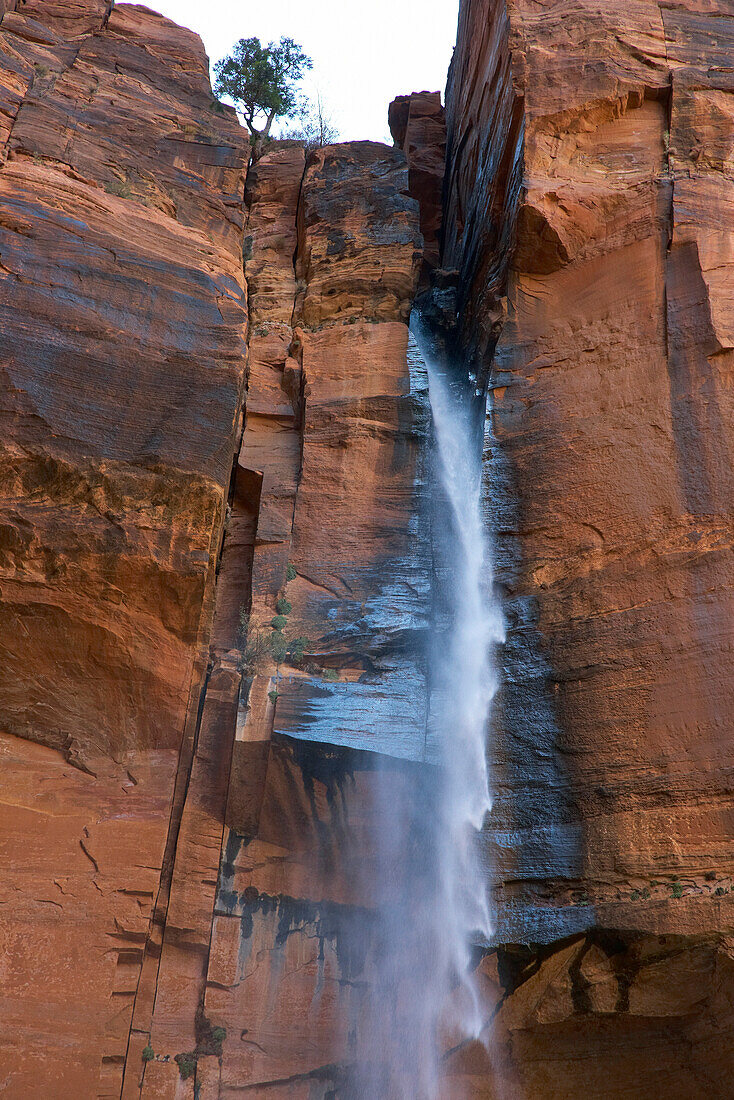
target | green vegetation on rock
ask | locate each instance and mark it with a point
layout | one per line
(261, 82)
(186, 1064)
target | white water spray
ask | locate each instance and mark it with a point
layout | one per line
(465, 681)
(431, 895)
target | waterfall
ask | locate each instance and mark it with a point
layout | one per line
(430, 893)
(464, 677)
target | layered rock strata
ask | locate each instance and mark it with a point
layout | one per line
(121, 381)
(332, 444)
(418, 127)
(152, 532)
(589, 206)
(212, 622)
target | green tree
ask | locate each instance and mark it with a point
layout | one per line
(261, 82)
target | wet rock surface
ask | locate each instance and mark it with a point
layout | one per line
(321, 593)
(587, 205)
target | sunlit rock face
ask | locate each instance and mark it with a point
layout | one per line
(122, 327)
(589, 202)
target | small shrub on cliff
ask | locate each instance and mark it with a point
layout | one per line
(297, 649)
(273, 697)
(278, 622)
(148, 1053)
(314, 127)
(242, 629)
(278, 646)
(257, 650)
(209, 1038)
(290, 573)
(121, 188)
(186, 1064)
(283, 606)
(677, 889)
(253, 645)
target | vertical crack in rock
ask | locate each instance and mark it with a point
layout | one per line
(180, 1023)
(329, 406)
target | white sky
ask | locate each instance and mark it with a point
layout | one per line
(365, 52)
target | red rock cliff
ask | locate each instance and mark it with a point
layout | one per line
(418, 126)
(261, 913)
(213, 565)
(589, 212)
(149, 530)
(121, 380)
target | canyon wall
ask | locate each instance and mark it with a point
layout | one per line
(418, 127)
(589, 207)
(122, 380)
(212, 567)
(216, 567)
(320, 591)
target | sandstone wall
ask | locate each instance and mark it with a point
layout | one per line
(418, 126)
(263, 941)
(172, 760)
(590, 188)
(211, 617)
(122, 371)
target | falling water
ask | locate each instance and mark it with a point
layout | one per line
(430, 892)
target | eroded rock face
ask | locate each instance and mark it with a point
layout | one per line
(351, 578)
(147, 702)
(122, 375)
(611, 1015)
(418, 126)
(265, 943)
(185, 879)
(589, 202)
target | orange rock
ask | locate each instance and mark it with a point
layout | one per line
(189, 802)
(290, 914)
(123, 370)
(418, 126)
(351, 270)
(588, 204)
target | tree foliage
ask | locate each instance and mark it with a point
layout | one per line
(261, 81)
